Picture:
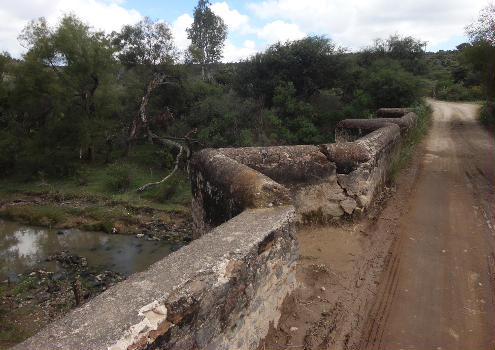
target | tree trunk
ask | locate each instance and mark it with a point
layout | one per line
(109, 150)
(91, 152)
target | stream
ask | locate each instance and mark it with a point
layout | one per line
(24, 248)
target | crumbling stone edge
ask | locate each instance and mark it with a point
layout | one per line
(326, 181)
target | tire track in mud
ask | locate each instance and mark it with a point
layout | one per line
(438, 288)
(380, 311)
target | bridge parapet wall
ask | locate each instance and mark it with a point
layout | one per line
(323, 182)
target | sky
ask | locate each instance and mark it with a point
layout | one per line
(254, 25)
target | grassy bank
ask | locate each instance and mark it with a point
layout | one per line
(424, 113)
(98, 197)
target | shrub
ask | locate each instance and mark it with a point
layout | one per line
(118, 177)
(487, 115)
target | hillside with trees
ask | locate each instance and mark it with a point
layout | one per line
(124, 109)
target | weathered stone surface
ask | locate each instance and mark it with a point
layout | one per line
(219, 292)
(350, 130)
(406, 123)
(287, 165)
(348, 205)
(223, 188)
(346, 155)
(391, 112)
(363, 182)
(377, 142)
(319, 200)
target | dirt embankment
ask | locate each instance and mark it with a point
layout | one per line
(419, 276)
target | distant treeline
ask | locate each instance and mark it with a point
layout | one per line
(78, 96)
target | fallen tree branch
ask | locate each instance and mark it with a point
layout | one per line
(170, 141)
(142, 188)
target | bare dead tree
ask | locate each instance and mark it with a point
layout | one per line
(141, 122)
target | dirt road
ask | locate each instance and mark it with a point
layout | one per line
(419, 273)
(438, 289)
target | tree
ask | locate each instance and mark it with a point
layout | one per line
(388, 84)
(311, 64)
(408, 51)
(484, 28)
(207, 34)
(64, 83)
(148, 47)
(479, 53)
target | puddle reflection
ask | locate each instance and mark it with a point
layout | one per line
(23, 247)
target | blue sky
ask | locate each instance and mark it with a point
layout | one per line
(256, 24)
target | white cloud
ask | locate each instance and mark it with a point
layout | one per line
(280, 31)
(355, 23)
(232, 18)
(232, 53)
(102, 15)
(179, 27)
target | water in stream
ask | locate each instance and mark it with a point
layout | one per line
(23, 248)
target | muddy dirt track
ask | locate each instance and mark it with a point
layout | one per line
(420, 273)
(438, 289)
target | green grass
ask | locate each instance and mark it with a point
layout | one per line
(102, 193)
(39, 215)
(424, 113)
(116, 183)
(24, 285)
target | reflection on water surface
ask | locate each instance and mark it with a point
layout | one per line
(25, 247)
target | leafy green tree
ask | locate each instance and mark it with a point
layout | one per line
(484, 28)
(388, 84)
(61, 90)
(479, 55)
(408, 51)
(207, 34)
(480, 52)
(310, 64)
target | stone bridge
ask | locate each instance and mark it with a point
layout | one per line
(224, 289)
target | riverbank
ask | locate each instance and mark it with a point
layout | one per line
(162, 212)
(38, 297)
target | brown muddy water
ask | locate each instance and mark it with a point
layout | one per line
(24, 248)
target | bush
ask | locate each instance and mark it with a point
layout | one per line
(389, 85)
(487, 115)
(459, 92)
(118, 178)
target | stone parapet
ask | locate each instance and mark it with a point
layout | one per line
(222, 188)
(219, 292)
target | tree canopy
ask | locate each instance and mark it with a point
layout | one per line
(207, 34)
